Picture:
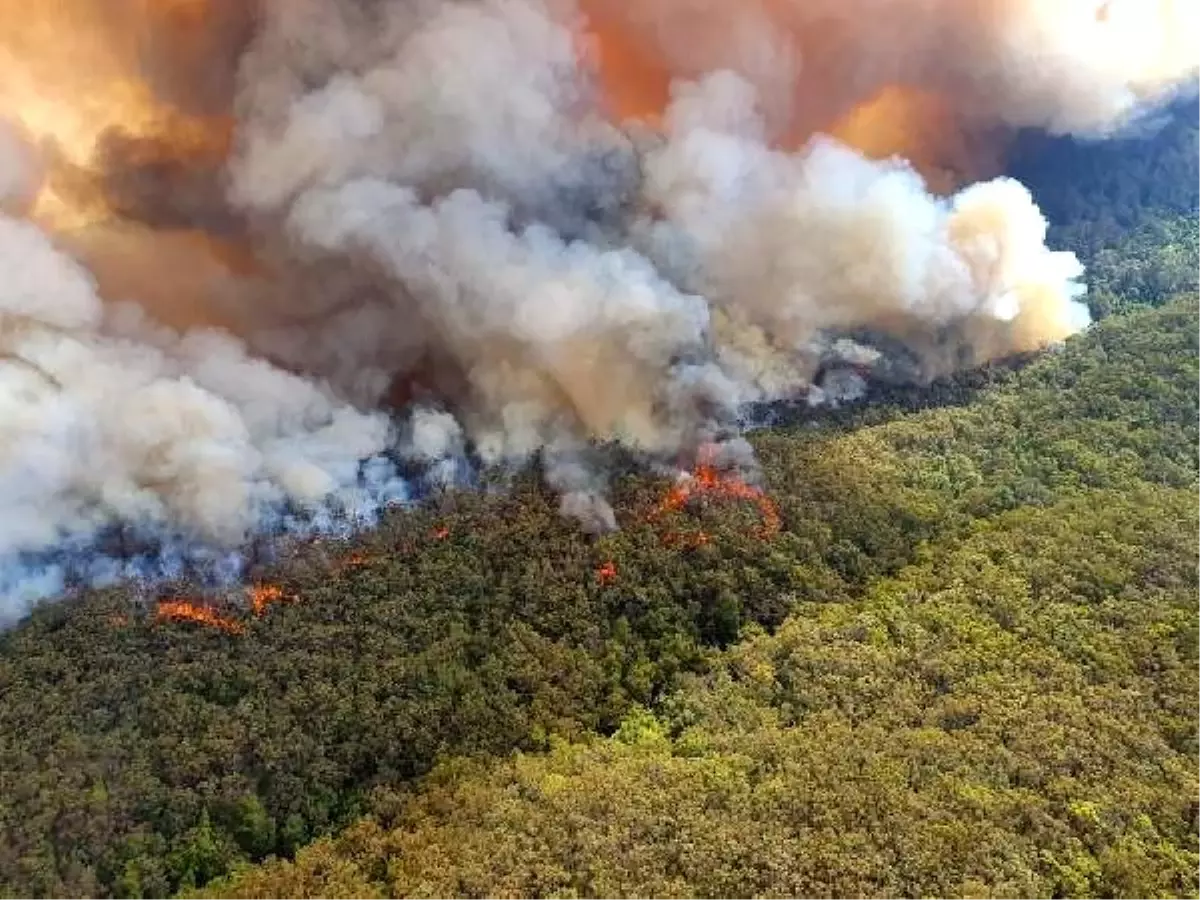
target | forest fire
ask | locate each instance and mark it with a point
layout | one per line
(606, 573)
(287, 265)
(201, 614)
(354, 560)
(264, 595)
(261, 596)
(708, 481)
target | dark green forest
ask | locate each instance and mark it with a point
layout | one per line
(965, 663)
(1126, 207)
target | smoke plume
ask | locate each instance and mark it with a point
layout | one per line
(265, 257)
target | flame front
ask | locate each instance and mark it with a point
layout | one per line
(606, 573)
(263, 596)
(188, 611)
(709, 481)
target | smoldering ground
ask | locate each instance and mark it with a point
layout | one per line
(257, 254)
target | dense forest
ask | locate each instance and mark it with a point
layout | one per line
(1127, 208)
(1095, 193)
(985, 684)
(949, 648)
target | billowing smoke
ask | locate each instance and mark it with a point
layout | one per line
(269, 256)
(111, 419)
(929, 79)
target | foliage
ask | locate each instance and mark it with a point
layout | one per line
(138, 757)
(1158, 260)
(1128, 208)
(969, 666)
(1011, 716)
(1094, 193)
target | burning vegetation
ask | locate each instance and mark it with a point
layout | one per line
(606, 573)
(260, 597)
(177, 610)
(707, 483)
(249, 231)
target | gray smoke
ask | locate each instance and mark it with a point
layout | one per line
(588, 283)
(111, 419)
(443, 217)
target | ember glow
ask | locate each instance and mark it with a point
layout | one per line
(606, 573)
(263, 596)
(354, 560)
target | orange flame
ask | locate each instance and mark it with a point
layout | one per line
(708, 481)
(606, 573)
(187, 611)
(354, 560)
(441, 532)
(263, 595)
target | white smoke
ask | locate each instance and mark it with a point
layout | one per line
(791, 246)
(712, 282)
(109, 420)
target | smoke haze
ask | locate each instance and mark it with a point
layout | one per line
(261, 256)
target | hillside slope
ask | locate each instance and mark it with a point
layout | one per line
(1007, 706)
(1009, 717)
(138, 756)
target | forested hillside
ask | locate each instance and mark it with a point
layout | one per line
(993, 692)
(1005, 717)
(949, 648)
(1096, 193)
(1127, 208)
(984, 639)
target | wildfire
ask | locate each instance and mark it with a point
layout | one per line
(606, 573)
(706, 481)
(354, 560)
(263, 595)
(709, 481)
(187, 611)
